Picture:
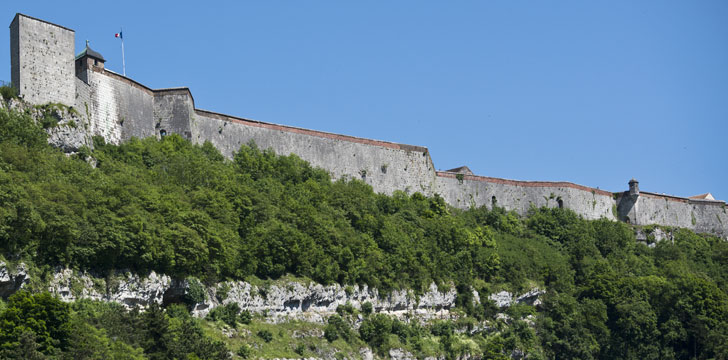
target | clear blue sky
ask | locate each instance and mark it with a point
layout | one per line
(588, 92)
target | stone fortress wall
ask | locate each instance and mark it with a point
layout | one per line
(119, 108)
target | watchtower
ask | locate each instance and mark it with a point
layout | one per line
(41, 60)
(87, 60)
(634, 188)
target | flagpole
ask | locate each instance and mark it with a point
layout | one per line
(123, 61)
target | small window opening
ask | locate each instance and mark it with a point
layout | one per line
(561, 203)
(626, 219)
(494, 201)
(162, 133)
(96, 62)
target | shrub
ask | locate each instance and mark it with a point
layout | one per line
(367, 308)
(345, 309)
(246, 317)
(336, 328)
(245, 351)
(8, 92)
(227, 313)
(195, 291)
(266, 335)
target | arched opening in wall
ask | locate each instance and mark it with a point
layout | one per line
(561, 203)
(626, 219)
(493, 201)
(162, 133)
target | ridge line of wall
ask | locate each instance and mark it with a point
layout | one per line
(525, 183)
(328, 135)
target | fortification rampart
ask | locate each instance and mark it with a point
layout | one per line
(119, 108)
(464, 191)
(384, 165)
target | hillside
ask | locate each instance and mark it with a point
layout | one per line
(183, 210)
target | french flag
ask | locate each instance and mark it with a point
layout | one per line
(118, 35)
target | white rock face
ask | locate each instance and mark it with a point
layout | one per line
(531, 297)
(71, 132)
(135, 290)
(280, 301)
(505, 299)
(315, 302)
(130, 290)
(502, 299)
(12, 281)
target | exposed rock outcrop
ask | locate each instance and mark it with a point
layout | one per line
(505, 299)
(66, 128)
(279, 301)
(314, 302)
(12, 280)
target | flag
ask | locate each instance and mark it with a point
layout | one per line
(118, 35)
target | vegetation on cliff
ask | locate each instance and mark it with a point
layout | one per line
(182, 209)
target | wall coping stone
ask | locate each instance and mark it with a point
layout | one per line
(41, 20)
(310, 132)
(523, 183)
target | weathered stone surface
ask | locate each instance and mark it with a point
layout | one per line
(70, 134)
(314, 302)
(12, 281)
(531, 297)
(281, 301)
(505, 299)
(400, 354)
(502, 299)
(42, 60)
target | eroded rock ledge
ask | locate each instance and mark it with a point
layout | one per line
(278, 301)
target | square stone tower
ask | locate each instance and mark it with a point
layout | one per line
(42, 60)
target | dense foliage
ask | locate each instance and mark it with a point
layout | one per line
(182, 209)
(42, 327)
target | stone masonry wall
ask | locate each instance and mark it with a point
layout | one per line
(520, 196)
(174, 111)
(119, 108)
(383, 165)
(42, 60)
(703, 216)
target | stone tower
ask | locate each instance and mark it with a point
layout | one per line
(634, 188)
(88, 60)
(44, 53)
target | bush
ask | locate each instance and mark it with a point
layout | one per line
(375, 330)
(227, 313)
(337, 328)
(367, 308)
(246, 317)
(300, 349)
(345, 309)
(20, 129)
(196, 293)
(266, 335)
(244, 351)
(8, 92)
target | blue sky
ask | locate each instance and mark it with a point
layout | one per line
(588, 92)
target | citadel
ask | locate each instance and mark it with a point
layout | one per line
(46, 69)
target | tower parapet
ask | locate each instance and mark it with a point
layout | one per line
(634, 188)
